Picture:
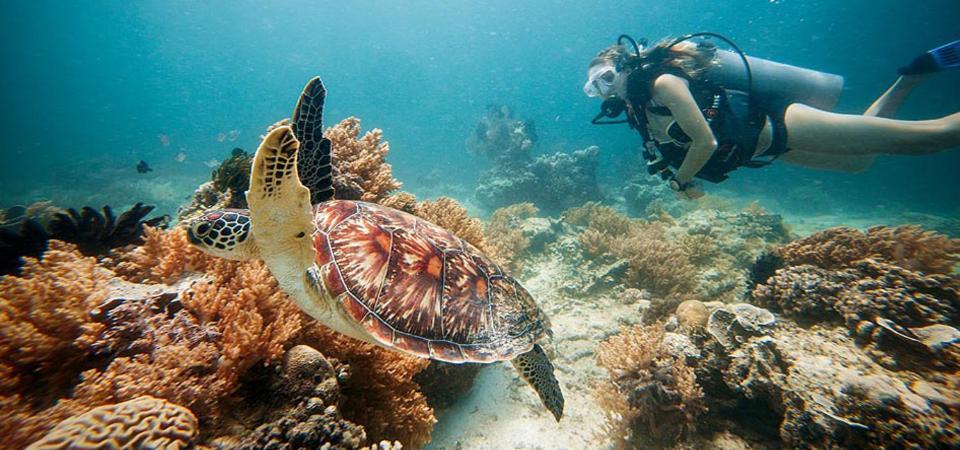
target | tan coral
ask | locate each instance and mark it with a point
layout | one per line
(448, 213)
(360, 168)
(650, 397)
(909, 247)
(655, 262)
(163, 257)
(255, 318)
(44, 323)
(144, 422)
(505, 242)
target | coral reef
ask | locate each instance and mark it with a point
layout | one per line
(553, 183)
(858, 279)
(381, 393)
(817, 389)
(77, 336)
(651, 396)
(359, 163)
(144, 422)
(505, 240)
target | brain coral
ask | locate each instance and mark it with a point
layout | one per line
(144, 422)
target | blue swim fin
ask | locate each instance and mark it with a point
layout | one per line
(941, 58)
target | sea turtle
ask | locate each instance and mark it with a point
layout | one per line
(371, 272)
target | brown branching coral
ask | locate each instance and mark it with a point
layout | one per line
(61, 319)
(144, 422)
(256, 319)
(360, 168)
(381, 394)
(655, 262)
(44, 324)
(163, 258)
(651, 397)
(505, 241)
(448, 213)
(909, 247)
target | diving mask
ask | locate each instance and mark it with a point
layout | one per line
(601, 81)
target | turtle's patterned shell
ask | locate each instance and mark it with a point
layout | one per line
(419, 288)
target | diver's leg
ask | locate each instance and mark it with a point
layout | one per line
(825, 161)
(888, 103)
(815, 131)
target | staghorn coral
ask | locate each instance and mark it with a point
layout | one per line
(144, 422)
(909, 247)
(651, 397)
(360, 168)
(506, 242)
(381, 394)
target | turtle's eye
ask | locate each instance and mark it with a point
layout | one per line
(203, 228)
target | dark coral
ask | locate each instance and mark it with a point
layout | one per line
(300, 410)
(93, 232)
(233, 177)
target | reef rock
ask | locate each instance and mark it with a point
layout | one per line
(553, 183)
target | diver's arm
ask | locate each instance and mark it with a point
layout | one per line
(674, 93)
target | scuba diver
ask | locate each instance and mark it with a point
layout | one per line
(703, 111)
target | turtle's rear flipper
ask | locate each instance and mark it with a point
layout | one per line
(535, 367)
(281, 216)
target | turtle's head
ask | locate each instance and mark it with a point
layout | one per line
(224, 233)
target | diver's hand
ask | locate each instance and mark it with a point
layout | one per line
(692, 192)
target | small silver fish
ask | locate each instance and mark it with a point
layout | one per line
(211, 163)
(181, 156)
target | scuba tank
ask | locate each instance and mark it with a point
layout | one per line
(775, 84)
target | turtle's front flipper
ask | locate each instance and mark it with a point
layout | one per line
(280, 211)
(535, 367)
(314, 160)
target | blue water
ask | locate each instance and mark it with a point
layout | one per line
(89, 88)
